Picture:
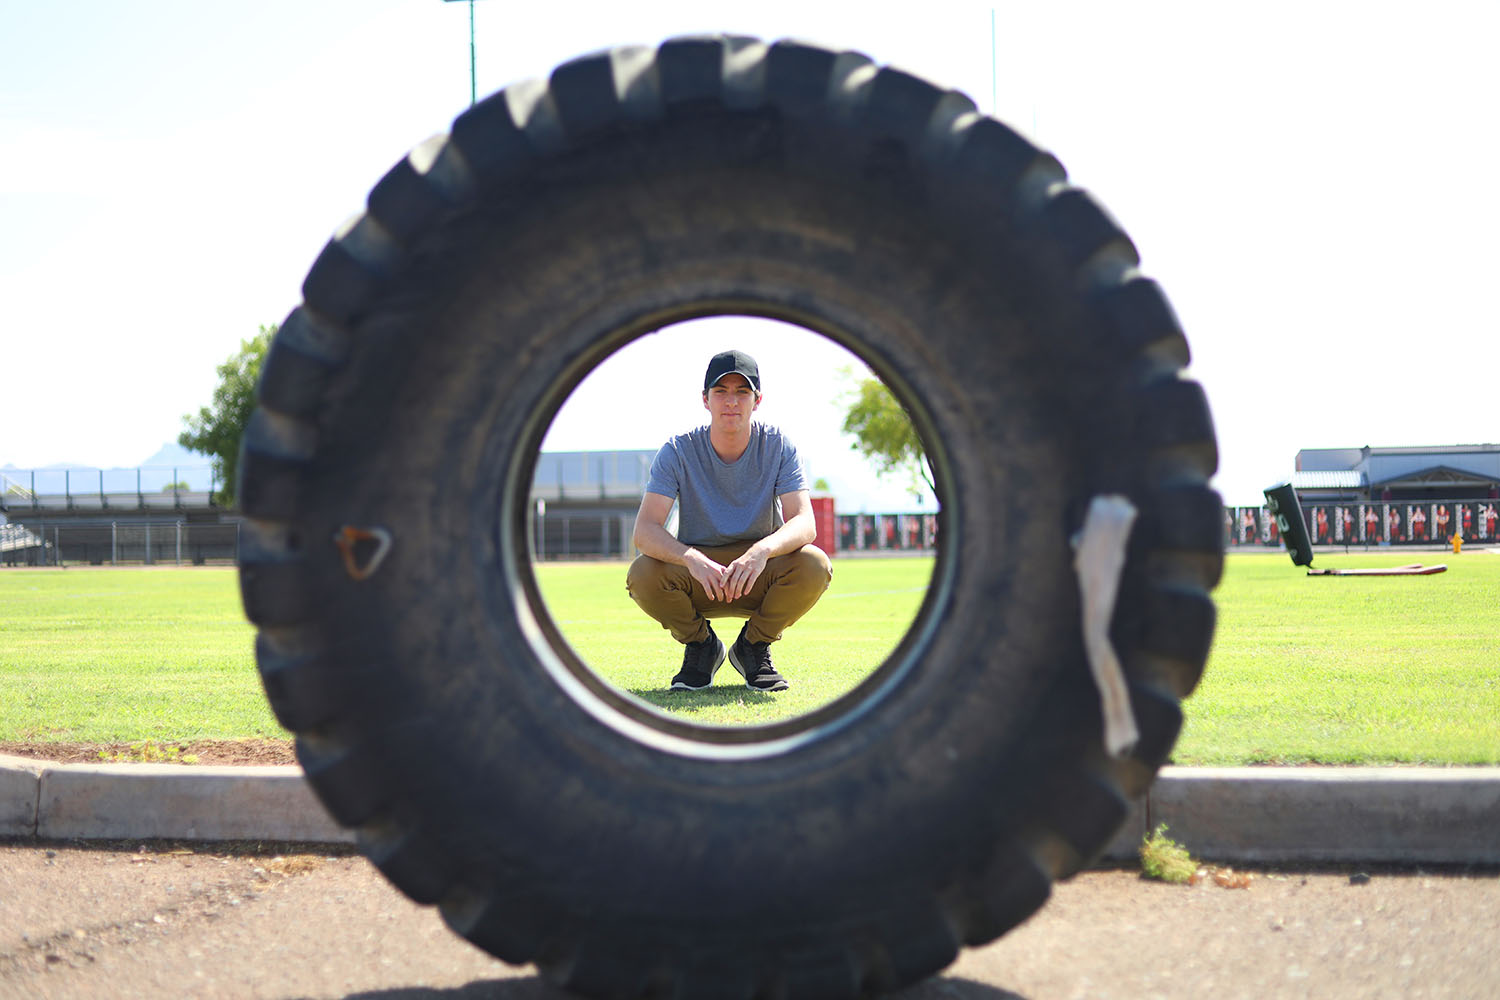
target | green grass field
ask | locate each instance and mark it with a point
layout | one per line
(865, 612)
(1351, 669)
(104, 655)
(1333, 670)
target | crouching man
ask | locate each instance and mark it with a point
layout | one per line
(745, 527)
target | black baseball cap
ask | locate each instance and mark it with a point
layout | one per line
(729, 363)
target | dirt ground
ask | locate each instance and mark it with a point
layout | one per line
(177, 921)
(205, 752)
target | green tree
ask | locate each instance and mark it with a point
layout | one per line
(886, 436)
(216, 429)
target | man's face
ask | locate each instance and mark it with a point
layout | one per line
(730, 401)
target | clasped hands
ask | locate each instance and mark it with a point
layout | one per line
(727, 583)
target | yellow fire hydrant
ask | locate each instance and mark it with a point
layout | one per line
(1458, 543)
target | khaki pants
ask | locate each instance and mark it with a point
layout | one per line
(788, 586)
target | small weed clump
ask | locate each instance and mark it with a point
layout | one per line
(1165, 860)
(149, 752)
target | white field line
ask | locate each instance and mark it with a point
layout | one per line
(876, 593)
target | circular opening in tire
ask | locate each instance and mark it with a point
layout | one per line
(593, 469)
(407, 398)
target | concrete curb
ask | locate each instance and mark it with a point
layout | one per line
(160, 801)
(1398, 815)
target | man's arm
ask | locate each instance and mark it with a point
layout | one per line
(654, 540)
(798, 529)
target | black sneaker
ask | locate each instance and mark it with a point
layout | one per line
(753, 661)
(700, 661)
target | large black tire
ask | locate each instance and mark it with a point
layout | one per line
(558, 821)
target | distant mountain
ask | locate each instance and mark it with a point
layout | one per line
(174, 454)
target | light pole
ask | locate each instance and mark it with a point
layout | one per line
(473, 91)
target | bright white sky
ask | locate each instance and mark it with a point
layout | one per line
(1313, 183)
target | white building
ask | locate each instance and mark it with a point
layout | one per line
(1444, 472)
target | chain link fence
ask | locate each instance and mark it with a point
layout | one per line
(119, 543)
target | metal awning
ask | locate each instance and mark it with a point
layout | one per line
(1332, 479)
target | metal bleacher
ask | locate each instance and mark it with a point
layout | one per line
(583, 476)
(584, 502)
(583, 506)
(49, 491)
(146, 515)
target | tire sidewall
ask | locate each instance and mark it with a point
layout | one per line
(433, 428)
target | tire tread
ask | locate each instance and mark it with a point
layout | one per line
(915, 138)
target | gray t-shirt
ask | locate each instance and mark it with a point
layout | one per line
(720, 502)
